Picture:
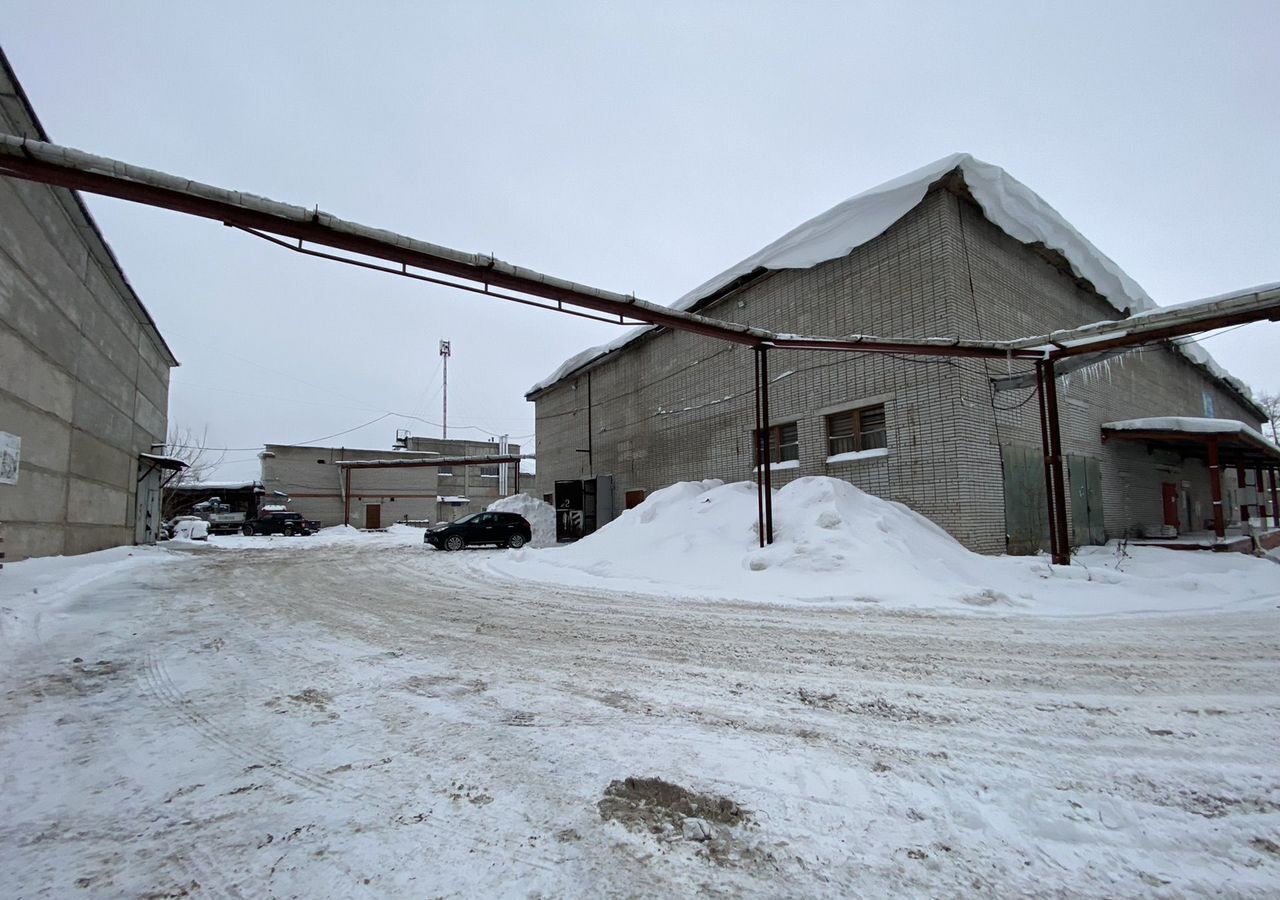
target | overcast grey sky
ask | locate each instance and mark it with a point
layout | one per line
(637, 147)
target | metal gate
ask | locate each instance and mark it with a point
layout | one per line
(1025, 502)
(1086, 501)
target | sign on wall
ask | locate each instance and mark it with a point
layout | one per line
(10, 447)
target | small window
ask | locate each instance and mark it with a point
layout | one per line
(488, 471)
(320, 461)
(856, 429)
(444, 472)
(784, 443)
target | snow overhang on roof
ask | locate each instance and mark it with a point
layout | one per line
(1007, 202)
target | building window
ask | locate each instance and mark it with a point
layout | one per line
(444, 472)
(784, 443)
(320, 461)
(488, 471)
(856, 429)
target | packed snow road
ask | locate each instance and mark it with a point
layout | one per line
(369, 719)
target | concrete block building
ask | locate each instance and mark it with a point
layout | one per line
(313, 479)
(84, 372)
(958, 248)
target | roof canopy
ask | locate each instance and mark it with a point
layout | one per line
(1238, 444)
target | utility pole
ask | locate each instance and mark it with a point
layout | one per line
(444, 354)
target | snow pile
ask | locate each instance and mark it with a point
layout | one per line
(540, 515)
(832, 542)
(836, 544)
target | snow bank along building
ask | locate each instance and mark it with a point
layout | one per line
(334, 485)
(957, 248)
(84, 373)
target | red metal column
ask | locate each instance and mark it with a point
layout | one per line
(1044, 446)
(768, 450)
(1262, 493)
(1242, 483)
(346, 496)
(757, 452)
(1062, 548)
(1275, 504)
(1215, 485)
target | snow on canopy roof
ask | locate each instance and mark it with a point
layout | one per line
(219, 486)
(1185, 425)
(1007, 202)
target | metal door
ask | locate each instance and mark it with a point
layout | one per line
(1025, 504)
(373, 515)
(1086, 501)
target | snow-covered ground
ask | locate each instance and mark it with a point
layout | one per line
(353, 715)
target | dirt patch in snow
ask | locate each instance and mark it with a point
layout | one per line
(312, 697)
(654, 805)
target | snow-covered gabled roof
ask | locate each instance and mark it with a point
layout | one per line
(1007, 202)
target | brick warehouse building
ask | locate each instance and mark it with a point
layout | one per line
(84, 373)
(957, 248)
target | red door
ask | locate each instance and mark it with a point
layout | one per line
(1170, 503)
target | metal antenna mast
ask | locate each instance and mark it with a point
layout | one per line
(444, 422)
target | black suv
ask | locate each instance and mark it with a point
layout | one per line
(279, 522)
(502, 529)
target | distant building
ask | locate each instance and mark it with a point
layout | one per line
(313, 479)
(958, 248)
(84, 373)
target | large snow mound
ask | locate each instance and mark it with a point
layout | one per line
(836, 544)
(540, 515)
(1010, 204)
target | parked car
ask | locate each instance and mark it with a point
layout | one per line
(187, 528)
(500, 529)
(279, 522)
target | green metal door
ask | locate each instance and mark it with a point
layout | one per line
(1086, 501)
(1026, 513)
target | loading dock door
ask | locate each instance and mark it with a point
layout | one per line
(1025, 503)
(1086, 501)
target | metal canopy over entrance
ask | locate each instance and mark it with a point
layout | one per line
(1218, 442)
(51, 164)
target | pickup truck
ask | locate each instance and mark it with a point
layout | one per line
(279, 522)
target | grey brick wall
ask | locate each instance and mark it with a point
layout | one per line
(84, 377)
(675, 406)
